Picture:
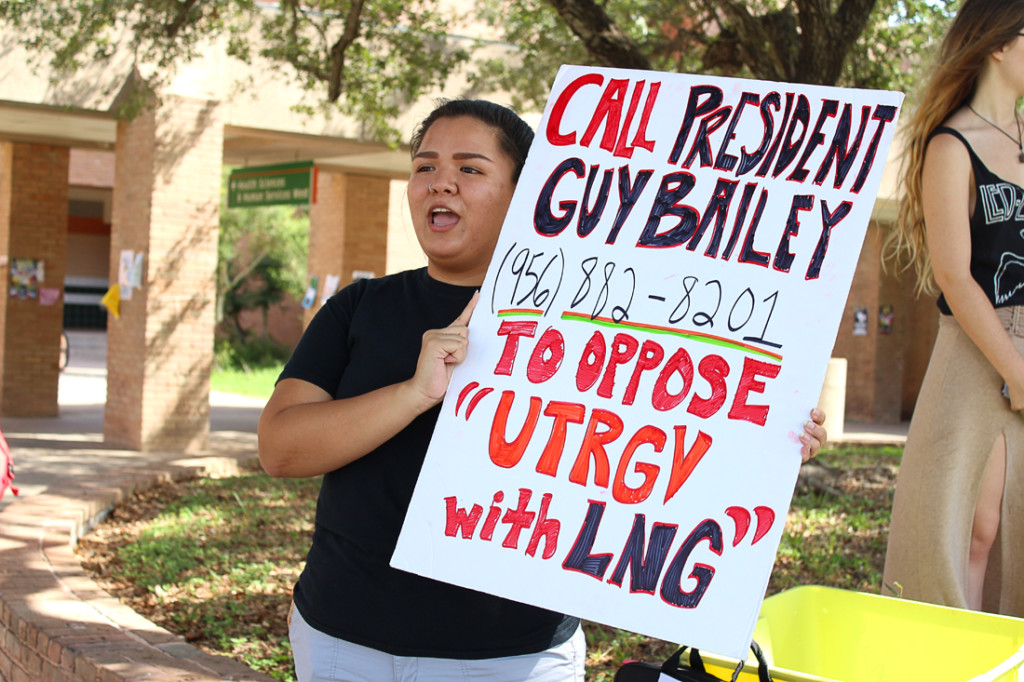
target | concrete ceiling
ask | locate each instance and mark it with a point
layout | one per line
(252, 147)
(243, 146)
(56, 125)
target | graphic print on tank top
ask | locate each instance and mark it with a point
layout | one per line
(1003, 202)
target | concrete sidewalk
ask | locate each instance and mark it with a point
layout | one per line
(48, 451)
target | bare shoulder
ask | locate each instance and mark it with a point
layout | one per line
(948, 151)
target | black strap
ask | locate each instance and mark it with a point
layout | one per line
(762, 665)
(671, 665)
(693, 672)
(697, 663)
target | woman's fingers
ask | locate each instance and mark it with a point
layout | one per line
(448, 344)
(440, 351)
(814, 435)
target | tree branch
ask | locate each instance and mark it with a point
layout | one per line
(183, 11)
(294, 57)
(606, 43)
(336, 80)
(254, 262)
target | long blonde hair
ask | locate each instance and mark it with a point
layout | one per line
(980, 28)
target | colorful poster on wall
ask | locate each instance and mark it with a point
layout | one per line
(24, 278)
(886, 315)
(621, 442)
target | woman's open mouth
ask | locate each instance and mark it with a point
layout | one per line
(443, 218)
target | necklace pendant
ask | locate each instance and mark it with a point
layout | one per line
(1021, 157)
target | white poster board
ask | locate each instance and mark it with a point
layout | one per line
(621, 442)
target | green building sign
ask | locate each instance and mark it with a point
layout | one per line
(284, 183)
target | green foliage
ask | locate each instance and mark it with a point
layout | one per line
(858, 456)
(837, 536)
(246, 357)
(371, 59)
(900, 38)
(541, 43)
(261, 259)
(73, 33)
(401, 52)
(696, 36)
(366, 58)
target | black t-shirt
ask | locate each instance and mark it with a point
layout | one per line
(365, 337)
(997, 234)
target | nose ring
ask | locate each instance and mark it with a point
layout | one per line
(430, 187)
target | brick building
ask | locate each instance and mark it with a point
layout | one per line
(78, 188)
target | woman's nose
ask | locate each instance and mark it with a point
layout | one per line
(444, 183)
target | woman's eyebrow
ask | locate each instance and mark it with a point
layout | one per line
(458, 156)
(462, 156)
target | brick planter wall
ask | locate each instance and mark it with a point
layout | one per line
(56, 624)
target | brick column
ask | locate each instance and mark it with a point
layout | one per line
(33, 225)
(348, 228)
(166, 206)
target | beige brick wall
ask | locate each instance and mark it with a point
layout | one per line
(166, 206)
(33, 224)
(348, 228)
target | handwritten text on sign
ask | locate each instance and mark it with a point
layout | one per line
(621, 443)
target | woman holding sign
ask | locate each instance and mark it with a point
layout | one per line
(957, 533)
(358, 401)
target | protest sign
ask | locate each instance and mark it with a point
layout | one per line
(621, 443)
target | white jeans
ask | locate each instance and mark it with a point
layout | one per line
(322, 658)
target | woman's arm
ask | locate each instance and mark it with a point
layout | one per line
(303, 431)
(946, 199)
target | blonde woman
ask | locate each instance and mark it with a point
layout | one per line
(957, 535)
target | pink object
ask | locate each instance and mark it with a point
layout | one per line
(6, 468)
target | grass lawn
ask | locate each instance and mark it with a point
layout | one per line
(255, 383)
(214, 560)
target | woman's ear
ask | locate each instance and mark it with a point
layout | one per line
(999, 54)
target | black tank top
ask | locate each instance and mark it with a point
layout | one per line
(997, 234)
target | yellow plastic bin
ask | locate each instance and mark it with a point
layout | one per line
(823, 634)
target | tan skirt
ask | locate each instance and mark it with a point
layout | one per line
(960, 413)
